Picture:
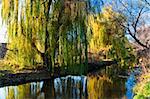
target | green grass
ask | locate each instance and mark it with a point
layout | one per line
(142, 88)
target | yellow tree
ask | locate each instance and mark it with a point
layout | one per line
(108, 37)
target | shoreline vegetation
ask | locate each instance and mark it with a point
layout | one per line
(142, 88)
(12, 77)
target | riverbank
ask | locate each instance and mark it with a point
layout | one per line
(8, 78)
(142, 88)
(14, 77)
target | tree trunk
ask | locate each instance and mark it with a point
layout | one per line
(47, 56)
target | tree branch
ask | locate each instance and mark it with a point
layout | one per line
(147, 2)
(136, 39)
(134, 24)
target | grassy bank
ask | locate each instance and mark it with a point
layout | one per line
(142, 88)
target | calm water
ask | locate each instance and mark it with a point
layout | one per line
(93, 86)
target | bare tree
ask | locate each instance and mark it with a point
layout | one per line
(136, 16)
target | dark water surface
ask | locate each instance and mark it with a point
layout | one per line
(92, 86)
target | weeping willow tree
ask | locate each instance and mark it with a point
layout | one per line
(108, 37)
(51, 32)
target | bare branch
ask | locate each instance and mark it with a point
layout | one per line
(137, 20)
(130, 12)
(147, 2)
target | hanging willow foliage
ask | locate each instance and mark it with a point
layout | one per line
(49, 32)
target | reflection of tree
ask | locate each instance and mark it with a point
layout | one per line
(67, 87)
(23, 91)
(72, 87)
(19, 92)
(48, 89)
(11, 93)
(101, 87)
(76, 87)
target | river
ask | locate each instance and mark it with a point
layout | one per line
(97, 85)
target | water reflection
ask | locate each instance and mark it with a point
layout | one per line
(25, 91)
(131, 81)
(102, 87)
(69, 87)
